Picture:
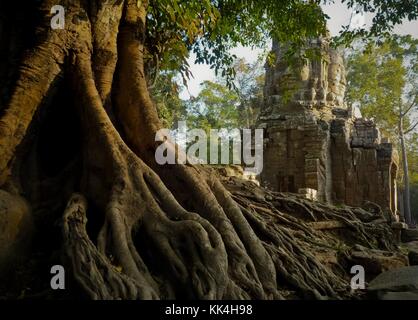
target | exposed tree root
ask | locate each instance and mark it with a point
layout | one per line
(292, 242)
(92, 270)
(212, 246)
(191, 248)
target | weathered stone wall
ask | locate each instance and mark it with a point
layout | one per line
(364, 168)
(313, 142)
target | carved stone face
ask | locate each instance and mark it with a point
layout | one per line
(310, 82)
(336, 78)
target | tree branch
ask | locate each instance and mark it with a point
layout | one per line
(412, 105)
(411, 128)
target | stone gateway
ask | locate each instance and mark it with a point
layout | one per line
(313, 142)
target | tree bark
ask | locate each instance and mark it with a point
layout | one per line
(405, 167)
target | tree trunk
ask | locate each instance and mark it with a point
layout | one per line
(133, 229)
(407, 193)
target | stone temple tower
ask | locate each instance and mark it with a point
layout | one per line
(313, 143)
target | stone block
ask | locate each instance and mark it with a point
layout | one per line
(399, 280)
(311, 165)
(408, 235)
(309, 193)
(376, 261)
(408, 295)
(399, 225)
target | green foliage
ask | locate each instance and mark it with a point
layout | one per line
(215, 107)
(386, 15)
(165, 94)
(219, 105)
(249, 84)
(383, 80)
(210, 28)
(174, 26)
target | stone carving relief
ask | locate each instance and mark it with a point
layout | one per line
(310, 82)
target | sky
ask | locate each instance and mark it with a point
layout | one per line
(339, 15)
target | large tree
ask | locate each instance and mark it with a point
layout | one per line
(77, 125)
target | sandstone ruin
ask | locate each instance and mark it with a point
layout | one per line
(313, 142)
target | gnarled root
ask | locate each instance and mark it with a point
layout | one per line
(193, 251)
(295, 246)
(159, 242)
(92, 270)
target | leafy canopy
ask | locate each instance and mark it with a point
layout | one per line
(383, 81)
(217, 105)
(209, 28)
(386, 15)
